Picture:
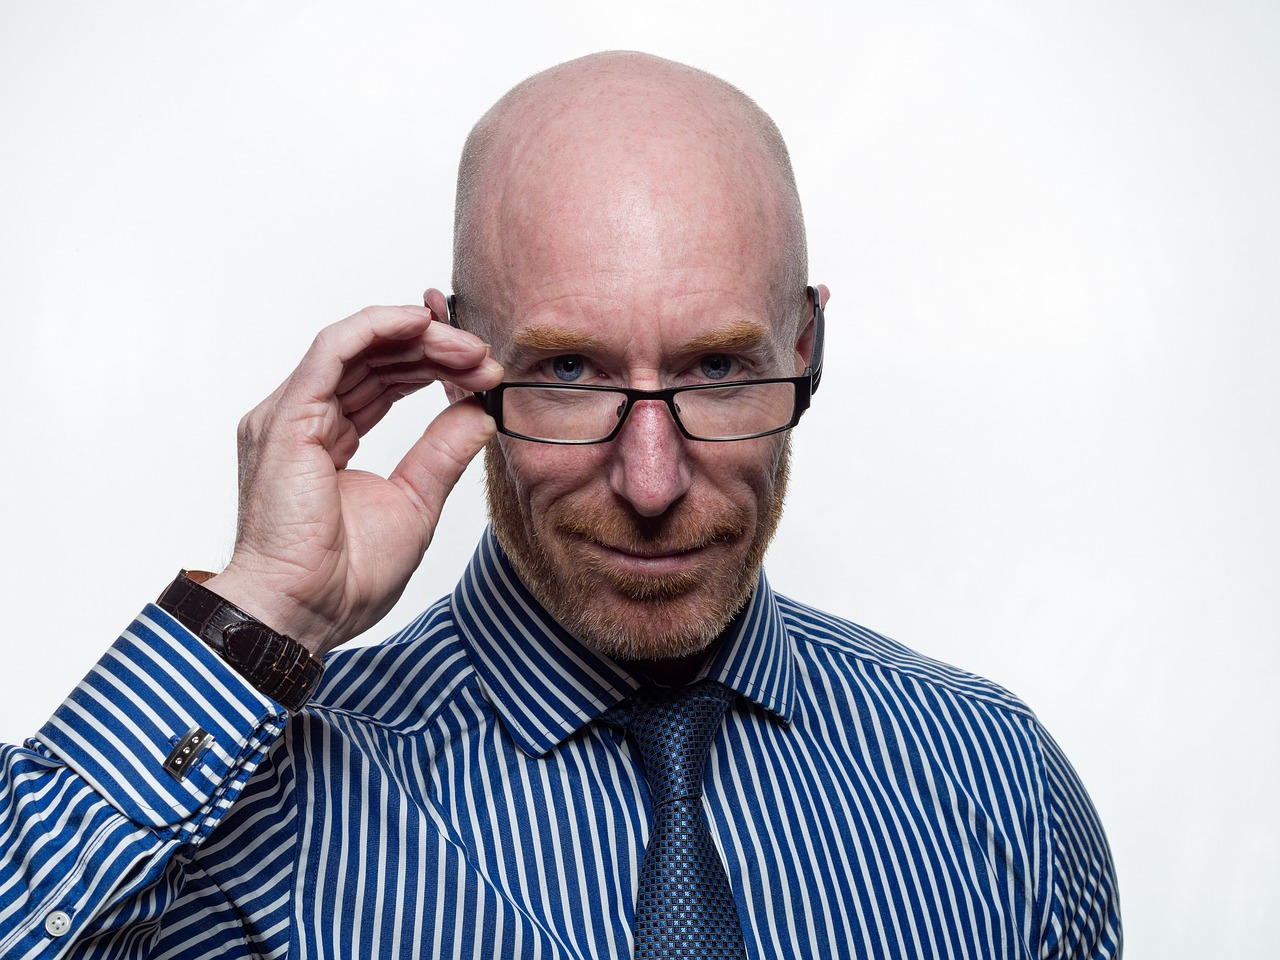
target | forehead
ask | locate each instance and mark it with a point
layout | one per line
(637, 265)
(630, 235)
(632, 204)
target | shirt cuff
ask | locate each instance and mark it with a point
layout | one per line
(156, 685)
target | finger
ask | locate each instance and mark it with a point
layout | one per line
(453, 351)
(377, 356)
(325, 363)
(437, 303)
(414, 376)
(379, 381)
(434, 463)
(452, 347)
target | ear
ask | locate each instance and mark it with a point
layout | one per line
(805, 341)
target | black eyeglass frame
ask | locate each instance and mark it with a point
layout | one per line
(806, 384)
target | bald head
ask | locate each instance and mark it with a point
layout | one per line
(630, 160)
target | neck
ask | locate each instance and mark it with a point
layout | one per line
(674, 671)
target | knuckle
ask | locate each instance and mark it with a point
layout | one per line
(323, 339)
(450, 452)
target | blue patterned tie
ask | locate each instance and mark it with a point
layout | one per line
(684, 907)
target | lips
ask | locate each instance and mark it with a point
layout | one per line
(670, 536)
(645, 562)
(660, 553)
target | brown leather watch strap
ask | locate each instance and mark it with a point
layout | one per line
(278, 666)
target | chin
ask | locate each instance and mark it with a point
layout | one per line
(629, 614)
(667, 622)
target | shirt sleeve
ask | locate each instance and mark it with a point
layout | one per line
(1083, 922)
(91, 815)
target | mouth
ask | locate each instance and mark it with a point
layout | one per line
(685, 561)
(637, 549)
(648, 553)
(644, 574)
(645, 559)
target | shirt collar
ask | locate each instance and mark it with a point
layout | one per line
(546, 685)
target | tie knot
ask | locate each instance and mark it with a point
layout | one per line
(674, 730)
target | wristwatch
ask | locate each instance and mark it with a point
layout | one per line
(278, 666)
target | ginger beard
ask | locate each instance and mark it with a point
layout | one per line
(625, 615)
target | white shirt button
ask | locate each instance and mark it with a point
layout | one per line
(57, 923)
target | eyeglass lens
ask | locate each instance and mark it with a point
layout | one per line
(721, 412)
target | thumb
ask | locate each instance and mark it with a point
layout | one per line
(434, 463)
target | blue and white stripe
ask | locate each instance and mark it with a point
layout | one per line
(450, 794)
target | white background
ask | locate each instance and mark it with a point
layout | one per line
(1045, 447)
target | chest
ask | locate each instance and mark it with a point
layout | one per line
(839, 838)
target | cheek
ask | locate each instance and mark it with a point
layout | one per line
(748, 463)
(740, 476)
(544, 474)
(745, 472)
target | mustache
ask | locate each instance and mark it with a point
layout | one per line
(675, 531)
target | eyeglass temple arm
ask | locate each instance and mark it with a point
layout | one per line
(819, 334)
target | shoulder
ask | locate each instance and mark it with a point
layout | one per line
(827, 642)
(954, 726)
(402, 683)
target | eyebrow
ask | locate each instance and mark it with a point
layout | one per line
(553, 338)
(738, 335)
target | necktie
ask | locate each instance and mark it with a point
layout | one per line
(684, 907)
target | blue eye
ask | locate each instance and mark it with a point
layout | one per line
(716, 366)
(568, 367)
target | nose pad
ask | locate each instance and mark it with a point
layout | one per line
(650, 468)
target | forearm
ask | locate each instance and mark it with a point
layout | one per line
(89, 814)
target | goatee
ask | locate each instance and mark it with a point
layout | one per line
(627, 615)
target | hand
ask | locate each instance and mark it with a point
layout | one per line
(323, 552)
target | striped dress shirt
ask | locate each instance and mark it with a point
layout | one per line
(454, 793)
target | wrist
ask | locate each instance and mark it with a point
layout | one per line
(277, 665)
(251, 593)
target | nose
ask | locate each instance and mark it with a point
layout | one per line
(650, 467)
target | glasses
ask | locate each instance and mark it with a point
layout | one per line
(579, 414)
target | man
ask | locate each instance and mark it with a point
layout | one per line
(612, 738)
